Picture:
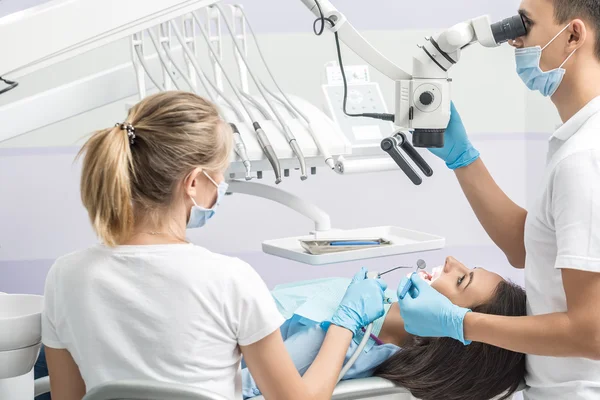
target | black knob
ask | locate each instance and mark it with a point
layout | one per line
(426, 98)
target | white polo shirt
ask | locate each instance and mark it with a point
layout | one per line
(563, 231)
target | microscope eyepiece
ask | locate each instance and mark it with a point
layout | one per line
(509, 29)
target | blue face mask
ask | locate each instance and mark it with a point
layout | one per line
(200, 215)
(528, 68)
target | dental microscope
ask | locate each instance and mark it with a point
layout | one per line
(422, 100)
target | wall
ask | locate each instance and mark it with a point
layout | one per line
(41, 216)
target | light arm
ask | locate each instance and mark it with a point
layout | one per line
(59, 20)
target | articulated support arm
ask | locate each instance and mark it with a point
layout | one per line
(320, 218)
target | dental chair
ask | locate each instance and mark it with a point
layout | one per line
(371, 388)
(355, 389)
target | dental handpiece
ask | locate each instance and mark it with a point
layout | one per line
(323, 149)
(295, 113)
(267, 148)
(297, 151)
(240, 149)
(263, 140)
(286, 130)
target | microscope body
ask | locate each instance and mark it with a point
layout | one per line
(423, 102)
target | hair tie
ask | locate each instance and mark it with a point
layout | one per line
(126, 126)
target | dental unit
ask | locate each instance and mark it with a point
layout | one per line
(300, 136)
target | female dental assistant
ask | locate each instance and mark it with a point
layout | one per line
(558, 241)
(148, 305)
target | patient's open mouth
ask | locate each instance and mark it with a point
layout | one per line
(426, 276)
(431, 277)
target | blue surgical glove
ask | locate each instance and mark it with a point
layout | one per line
(427, 313)
(361, 305)
(457, 151)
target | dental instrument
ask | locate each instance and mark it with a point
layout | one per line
(355, 243)
(320, 145)
(376, 275)
(240, 147)
(328, 246)
(420, 266)
(260, 134)
(422, 99)
(286, 130)
(390, 270)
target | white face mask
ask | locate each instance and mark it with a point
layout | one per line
(199, 216)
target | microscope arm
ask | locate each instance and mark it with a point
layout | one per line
(355, 41)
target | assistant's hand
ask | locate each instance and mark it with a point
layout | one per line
(427, 313)
(362, 303)
(457, 151)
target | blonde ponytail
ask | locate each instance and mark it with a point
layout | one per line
(124, 182)
(106, 184)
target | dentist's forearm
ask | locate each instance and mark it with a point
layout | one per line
(322, 375)
(502, 219)
(554, 335)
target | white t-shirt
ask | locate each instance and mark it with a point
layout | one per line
(563, 232)
(170, 313)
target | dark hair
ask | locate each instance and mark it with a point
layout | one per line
(445, 369)
(588, 10)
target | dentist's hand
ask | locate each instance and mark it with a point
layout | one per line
(457, 151)
(361, 305)
(427, 313)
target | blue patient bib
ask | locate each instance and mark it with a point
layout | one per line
(314, 301)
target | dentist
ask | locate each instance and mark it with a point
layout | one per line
(558, 241)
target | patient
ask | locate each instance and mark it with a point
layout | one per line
(432, 369)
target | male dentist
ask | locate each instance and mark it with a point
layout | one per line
(558, 240)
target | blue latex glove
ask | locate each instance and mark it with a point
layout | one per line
(427, 313)
(361, 305)
(457, 151)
